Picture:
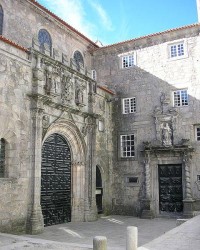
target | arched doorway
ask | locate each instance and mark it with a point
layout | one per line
(56, 180)
(99, 191)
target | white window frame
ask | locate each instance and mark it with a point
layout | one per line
(127, 146)
(127, 59)
(94, 74)
(197, 133)
(129, 105)
(180, 98)
(177, 50)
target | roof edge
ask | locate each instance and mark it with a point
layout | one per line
(62, 22)
(106, 89)
(147, 36)
(8, 41)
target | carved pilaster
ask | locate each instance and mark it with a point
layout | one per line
(188, 201)
(147, 211)
(188, 192)
(147, 176)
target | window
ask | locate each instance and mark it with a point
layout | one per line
(180, 98)
(177, 50)
(128, 61)
(129, 105)
(1, 20)
(198, 133)
(2, 158)
(94, 74)
(101, 126)
(127, 146)
(44, 38)
(78, 58)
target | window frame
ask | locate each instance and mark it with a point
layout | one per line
(42, 43)
(94, 75)
(176, 50)
(181, 100)
(2, 157)
(126, 151)
(128, 61)
(130, 108)
(128, 55)
(197, 133)
(1, 19)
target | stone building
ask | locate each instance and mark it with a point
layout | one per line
(87, 129)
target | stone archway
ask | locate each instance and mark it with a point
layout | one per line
(68, 130)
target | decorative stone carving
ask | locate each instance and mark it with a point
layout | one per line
(188, 191)
(64, 59)
(35, 43)
(79, 93)
(66, 86)
(56, 54)
(147, 175)
(166, 134)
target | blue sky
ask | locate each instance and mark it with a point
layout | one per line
(112, 21)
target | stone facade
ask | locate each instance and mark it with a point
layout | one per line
(47, 89)
(163, 134)
(45, 92)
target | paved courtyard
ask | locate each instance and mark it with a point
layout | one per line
(156, 234)
(113, 227)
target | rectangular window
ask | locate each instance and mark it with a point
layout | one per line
(94, 74)
(129, 105)
(198, 133)
(177, 50)
(128, 61)
(127, 146)
(180, 98)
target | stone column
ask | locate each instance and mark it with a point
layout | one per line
(188, 201)
(90, 187)
(147, 212)
(35, 223)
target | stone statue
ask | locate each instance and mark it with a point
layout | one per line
(166, 135)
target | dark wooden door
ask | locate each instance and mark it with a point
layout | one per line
(99, 191)
(56, 181)
(170, 188)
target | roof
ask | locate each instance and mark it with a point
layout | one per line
(150, 35)
(106, 89)
(6, 40)
(62, 22)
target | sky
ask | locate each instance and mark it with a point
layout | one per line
(112, 21)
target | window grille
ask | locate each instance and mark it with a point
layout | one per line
(198, 133)
(127, 146)
(128, 61)
(177, 50)
(129, 105)
(1, 20)
(2, 158)
(180, 98)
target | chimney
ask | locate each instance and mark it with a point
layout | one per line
(198, 10)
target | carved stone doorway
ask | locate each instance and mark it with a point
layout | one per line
(56, 181)
(170, 189)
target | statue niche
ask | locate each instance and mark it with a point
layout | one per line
(166, 131)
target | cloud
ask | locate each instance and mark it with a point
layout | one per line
(72, 11)
(102, 14)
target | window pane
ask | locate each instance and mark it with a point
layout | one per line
(127, 146)
(1, 20)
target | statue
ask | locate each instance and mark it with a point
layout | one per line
(166, 135)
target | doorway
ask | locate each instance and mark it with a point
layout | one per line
(99, 191)
(170, 189)
(56, 180)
